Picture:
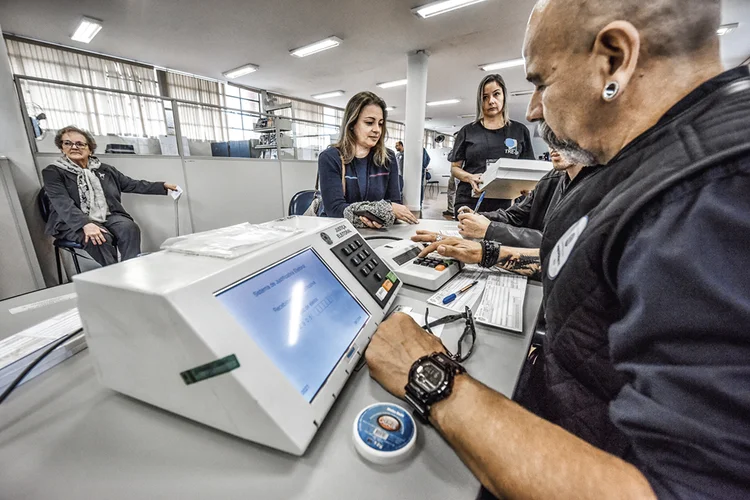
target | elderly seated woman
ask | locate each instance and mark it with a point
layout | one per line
(85, 201)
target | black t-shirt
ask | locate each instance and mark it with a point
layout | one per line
(475, 145)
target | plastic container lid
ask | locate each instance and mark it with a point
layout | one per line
(384, 433)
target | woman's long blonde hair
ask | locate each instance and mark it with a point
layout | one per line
(347, 142)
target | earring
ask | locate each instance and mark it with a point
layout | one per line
(611, 91)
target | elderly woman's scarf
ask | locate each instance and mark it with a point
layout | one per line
(90, 192)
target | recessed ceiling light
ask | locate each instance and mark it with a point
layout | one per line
(242, 70)
(328, 95)
(502, 65)
(441, 7)
(443, 103)
(390, 108)
(727, 28)
(316, 47)
(87, 30)
(394, 83)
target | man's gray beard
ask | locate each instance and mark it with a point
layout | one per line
(569, 150)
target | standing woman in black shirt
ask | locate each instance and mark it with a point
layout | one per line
(490, 137)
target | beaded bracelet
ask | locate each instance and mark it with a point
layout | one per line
(490, 253)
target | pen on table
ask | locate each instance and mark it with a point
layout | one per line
(479, 202)
(450, 298)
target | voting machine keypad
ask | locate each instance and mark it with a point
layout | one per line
(379, 281)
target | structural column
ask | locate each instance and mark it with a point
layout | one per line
(21, 273)
(416, 97)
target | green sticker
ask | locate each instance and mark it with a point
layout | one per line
(211, 369)
(392, 276)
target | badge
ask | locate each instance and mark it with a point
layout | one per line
(564, 247)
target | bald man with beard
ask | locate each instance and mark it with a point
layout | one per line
(646, 365)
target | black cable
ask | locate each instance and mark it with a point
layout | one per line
(33, 364)
(383, 237)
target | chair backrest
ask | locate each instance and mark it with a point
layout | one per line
(301, 202)
(43, 202)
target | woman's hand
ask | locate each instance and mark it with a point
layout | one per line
(94, 234)
(475, 180)
(369, 223)
(170, 187)
(403, 213)
(473, 225)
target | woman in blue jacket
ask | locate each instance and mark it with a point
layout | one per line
(359, 167)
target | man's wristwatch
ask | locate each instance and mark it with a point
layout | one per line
(430, 380)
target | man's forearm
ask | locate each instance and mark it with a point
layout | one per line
(517, 454)
(523, 261)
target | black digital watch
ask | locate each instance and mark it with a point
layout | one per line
(430, 380)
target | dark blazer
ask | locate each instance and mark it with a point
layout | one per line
(62, 189)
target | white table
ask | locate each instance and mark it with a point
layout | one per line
(64, 436)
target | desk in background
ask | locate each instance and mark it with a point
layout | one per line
(64, 436)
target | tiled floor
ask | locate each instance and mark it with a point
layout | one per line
(434, 204)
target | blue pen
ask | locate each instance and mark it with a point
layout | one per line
(479, 202)
(450, 298)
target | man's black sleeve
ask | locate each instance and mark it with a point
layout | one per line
(683, 340)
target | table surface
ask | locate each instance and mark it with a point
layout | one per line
(63, 435)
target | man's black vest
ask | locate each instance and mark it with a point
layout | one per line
(706, 130)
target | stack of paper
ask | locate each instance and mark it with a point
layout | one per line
(19, 350)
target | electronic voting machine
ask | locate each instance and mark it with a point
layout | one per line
(430, 272)
(258, 346)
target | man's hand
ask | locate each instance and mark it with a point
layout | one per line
(396, 345)
(94, 234)
(466, 251)
(473, 225)
(424, 236)
(170, 187)
(403, 213)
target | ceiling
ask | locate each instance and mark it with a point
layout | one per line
(207, 38)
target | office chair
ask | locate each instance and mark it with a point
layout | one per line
(301, 202)
(69, 245)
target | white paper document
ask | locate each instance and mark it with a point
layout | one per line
(502, 302)
(468, 298)
(176, 193)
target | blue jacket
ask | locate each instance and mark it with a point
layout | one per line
(369, 182)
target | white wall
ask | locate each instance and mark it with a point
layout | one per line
(439, 165)
(228, 191)
(297, 176)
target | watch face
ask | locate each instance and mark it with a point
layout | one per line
(429, 376)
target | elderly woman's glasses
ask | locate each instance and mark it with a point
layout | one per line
(79, 145)
(465, 342)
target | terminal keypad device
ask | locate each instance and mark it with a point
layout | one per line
(375, 276)
(430, 272)
(259, 346)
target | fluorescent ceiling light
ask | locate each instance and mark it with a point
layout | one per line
(443, 103)
(242, 70)
(519, 93)
(727, 28)
(441, 7)
(394, 83)
(316, 47)
(468, 115)
(502, 65)
(87, 30)
(327, 95)
(390, 108)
